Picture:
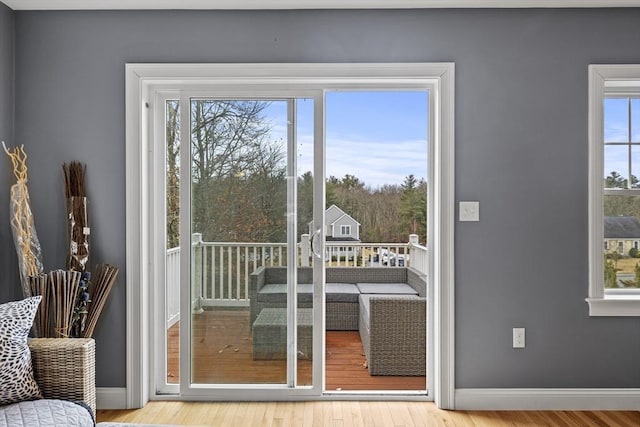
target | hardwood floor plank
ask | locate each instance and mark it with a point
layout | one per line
(595, 419)
(615, 419)
(632, 417)
(365, 411)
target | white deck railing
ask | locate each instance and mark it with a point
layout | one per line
(221, 270)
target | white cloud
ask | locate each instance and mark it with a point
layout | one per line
(374, 162)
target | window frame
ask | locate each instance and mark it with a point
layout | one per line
(345, 227)
(605, 80)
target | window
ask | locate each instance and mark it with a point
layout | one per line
(345, 230)
(614, 188)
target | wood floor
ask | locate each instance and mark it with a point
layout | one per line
(360, 414)
(223, 355)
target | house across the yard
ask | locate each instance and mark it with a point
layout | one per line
(621, 234)
(340, 227)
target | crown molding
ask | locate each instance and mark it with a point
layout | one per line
(307, 4)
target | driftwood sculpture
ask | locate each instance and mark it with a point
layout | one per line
(22, 224)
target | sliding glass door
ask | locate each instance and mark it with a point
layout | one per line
(295, 241)
(245, 204)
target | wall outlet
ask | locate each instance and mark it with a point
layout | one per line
(518, 337)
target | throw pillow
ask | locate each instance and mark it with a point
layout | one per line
(16, 374)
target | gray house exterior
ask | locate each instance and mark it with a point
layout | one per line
(621, 234)
(339, 227)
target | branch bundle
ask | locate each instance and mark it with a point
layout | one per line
(78, 224)
(59, 290)
(104, 279)
(39, 285)
(65, 285)
(74, 174)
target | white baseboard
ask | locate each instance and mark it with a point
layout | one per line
(506, 399)
(584, 399)
(111, 398)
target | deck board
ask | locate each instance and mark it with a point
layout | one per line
(223, 355)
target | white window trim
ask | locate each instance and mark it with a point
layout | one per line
(345, 227)
(139, 272)
(605, 79)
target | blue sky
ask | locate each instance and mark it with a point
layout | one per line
(616, 129)
(380, 137)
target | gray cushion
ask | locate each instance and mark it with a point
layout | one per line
(386, 288)
(277, 293)
(341, 292)
(364, 306)
(45, 412)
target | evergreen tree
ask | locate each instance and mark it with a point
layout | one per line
(305, 203)
(413, 207)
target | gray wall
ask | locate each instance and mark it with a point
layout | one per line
(9, 287)
(521, 150)
(7, 20)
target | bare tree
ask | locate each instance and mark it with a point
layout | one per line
(238, 172)
(172, 136)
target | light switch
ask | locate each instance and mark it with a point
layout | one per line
(469, 211)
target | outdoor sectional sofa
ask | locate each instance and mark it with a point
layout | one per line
(386, 305)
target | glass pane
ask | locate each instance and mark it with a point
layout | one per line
(304, 159)
(376, 161)
(622, 237)
(239, 226)
(172, 272)
(635, 166)
(616, 166)
(635, 120)
(616, 120)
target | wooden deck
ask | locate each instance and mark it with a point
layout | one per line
(223, 355)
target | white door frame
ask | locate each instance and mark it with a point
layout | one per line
(143, 79)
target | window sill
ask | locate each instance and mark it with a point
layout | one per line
(615, 304)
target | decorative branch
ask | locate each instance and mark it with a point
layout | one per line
(78, 224)
(22, 224)
(105, 278)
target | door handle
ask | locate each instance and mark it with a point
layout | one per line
(313, 243)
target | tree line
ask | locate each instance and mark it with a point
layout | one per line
(621, 205)
(239, 182)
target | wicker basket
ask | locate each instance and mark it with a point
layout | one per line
(65, 368)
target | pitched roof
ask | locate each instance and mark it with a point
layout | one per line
(345, 216)
(617, 227)
(332, 213)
